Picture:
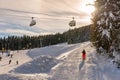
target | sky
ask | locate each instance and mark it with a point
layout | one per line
(51, 16)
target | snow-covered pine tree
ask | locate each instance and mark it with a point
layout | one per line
(106, 25)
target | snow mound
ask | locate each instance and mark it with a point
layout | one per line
(42, 64)
(54, 50)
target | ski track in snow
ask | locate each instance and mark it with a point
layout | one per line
(73, 68)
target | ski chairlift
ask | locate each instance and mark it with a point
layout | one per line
(72, 23)
(33, 22)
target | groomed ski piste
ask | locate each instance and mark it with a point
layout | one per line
(58, 62)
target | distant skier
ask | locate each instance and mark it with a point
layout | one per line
(8, 55)
(17, 62)
(10, 61)
(0, 58)
(11, 55)
(83, 54)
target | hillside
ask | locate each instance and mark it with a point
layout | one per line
(58, 62)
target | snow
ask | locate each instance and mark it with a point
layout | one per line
(105, 14)
(102, 20)
(109, 70)
(98, 22)
(42, 64)
(110, 25)
(106, 33)
(21, 57)
(54, 50)
(107, 21)
(58, 62)
(111, 15)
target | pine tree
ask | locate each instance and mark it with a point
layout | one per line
(107, 26)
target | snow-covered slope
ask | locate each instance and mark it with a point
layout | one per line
(53, 51)
(20, 56)
(58, 62)
(42, 64)
(32, 60)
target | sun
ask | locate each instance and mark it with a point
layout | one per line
(84, 7)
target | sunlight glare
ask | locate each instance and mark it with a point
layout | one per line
(87, 8)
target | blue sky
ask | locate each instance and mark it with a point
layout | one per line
(52, 16)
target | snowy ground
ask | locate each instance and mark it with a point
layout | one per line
(58, 62)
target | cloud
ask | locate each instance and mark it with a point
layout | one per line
(16, 32)
(51, 16)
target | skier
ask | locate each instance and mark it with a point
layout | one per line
(11, 55)
(10, 61)
(0, 58)
(17, 62)
(8, 55)
(83, 54)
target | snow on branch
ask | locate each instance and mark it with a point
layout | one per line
(111, 15)
(106, 33)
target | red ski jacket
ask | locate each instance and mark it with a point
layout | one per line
(83, 56)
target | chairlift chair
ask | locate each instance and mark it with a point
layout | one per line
(33, 22)
(72, 23)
